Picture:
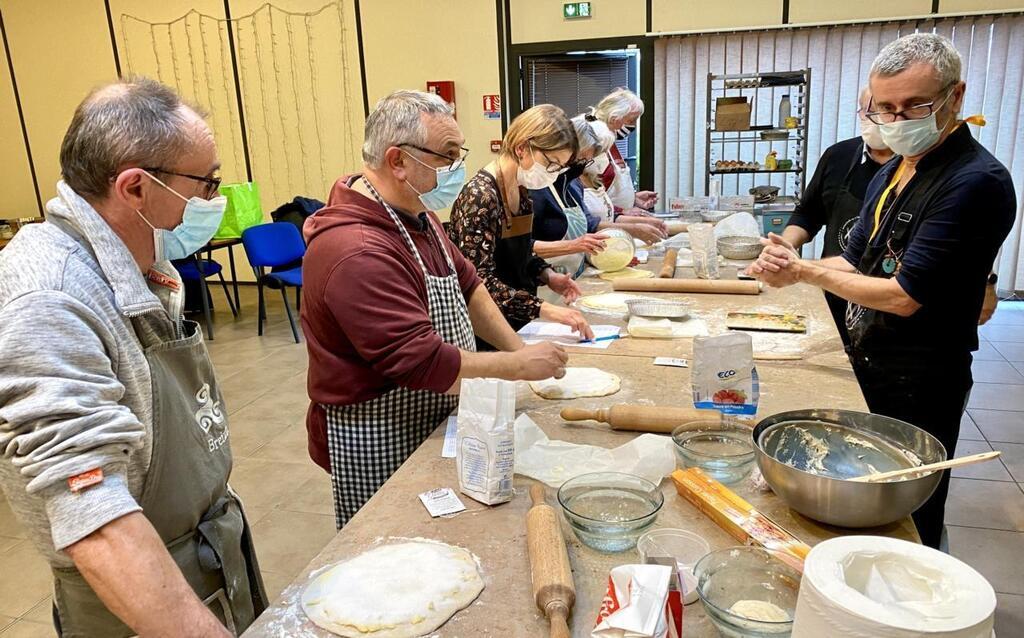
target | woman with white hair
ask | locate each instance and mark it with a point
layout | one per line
(564, 230)
(620, 110)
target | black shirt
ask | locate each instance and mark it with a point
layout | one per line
(951, 247)
(843, 163)
(549, 222)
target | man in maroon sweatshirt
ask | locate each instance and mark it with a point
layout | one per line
(390, 306)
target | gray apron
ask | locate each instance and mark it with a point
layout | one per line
(368, 441)
(185, 495)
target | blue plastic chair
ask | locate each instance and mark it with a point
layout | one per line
(198, 270)
(272, 246)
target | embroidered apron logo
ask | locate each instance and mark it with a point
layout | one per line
(208, 415)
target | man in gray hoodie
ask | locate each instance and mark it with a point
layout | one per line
(114, 448)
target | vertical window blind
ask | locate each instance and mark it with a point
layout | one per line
(840, 58)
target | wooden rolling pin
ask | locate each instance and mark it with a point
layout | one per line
(713, 286)
(553, 587)
(668, 264)
(647, 418)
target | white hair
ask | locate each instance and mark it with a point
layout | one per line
(592, 134)
(929, 48)
(620, 103)
(396, 120)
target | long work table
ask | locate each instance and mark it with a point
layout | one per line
(796, 372)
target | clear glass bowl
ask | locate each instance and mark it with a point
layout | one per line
(724, 451)
(727, 576)
(608, 511)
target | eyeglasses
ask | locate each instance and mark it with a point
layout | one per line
(212, 183)
(551, 165)
(456, 163)
(918, 112)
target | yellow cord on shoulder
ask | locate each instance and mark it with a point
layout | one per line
(885, 195)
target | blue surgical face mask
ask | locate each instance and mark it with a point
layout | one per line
(198, 225)
(449, 185)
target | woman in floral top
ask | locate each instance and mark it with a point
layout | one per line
(492, 220)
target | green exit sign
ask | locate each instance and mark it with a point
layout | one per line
(575, 10)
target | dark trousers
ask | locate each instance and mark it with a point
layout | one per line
(929, 393)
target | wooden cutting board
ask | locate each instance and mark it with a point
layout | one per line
(766, 321)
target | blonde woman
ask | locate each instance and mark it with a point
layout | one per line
(621, 110)
(564, 229)
(492, 219)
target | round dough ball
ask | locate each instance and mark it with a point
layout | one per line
(761, 610)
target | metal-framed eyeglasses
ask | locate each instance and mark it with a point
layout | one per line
(456, 162)
(212, 183)
(917, 112)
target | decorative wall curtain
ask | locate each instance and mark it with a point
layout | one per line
(839, 58)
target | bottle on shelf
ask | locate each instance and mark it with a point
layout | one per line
(785, 110)
(771, 161)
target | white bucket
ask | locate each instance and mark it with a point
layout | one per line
(872, 587)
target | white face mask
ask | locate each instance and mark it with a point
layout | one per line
(910, 138)
(537, 177)
(871, 135)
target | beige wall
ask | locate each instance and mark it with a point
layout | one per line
(689, 15)
(818, 11)
(58, 56)
(957, 6)
(17, 197)
(405, 53)
(541, 20)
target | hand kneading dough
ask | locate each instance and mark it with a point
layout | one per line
(577, 383)
(759, 610)
(626, 273)
(394, 591)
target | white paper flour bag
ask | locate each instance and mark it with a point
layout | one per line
(485, 440)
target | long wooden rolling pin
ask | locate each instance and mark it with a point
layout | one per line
(668, 265)
(714, 286)
(553, 587)
(647, 418)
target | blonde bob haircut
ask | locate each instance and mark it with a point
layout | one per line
(544, 127)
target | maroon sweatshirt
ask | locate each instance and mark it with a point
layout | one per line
(364, 307)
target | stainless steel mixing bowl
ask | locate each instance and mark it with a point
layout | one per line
(838, 501)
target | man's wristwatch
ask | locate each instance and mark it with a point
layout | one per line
(992, 279)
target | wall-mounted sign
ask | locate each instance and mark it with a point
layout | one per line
(492, 107)
(576, 10)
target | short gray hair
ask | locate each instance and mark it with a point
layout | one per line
(396, 120)
(928, 48)
(136, 122)
(618, 104)
(592, 134)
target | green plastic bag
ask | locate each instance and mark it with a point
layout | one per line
(243, 210)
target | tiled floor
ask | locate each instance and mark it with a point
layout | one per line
(289, 499)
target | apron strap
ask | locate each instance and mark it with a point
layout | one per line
(398, 222)
(558, 198)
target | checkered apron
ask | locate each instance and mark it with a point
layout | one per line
(368, 441)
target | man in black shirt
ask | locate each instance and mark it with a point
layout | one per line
(915, 268)
(835, 196)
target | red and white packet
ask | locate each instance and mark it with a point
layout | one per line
(638, 604)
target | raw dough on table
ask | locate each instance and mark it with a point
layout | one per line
(650, 328)
(608, 302)
(626, 273)
(759, 610)
(394, 591)
(577, 383)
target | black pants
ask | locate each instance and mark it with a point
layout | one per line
(929, 393)
(837, 305)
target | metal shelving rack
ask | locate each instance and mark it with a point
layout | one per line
(747, 145)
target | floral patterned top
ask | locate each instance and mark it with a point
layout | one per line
(507, 266)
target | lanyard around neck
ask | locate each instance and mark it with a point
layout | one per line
(885, 196)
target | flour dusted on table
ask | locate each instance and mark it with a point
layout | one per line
(485, 444)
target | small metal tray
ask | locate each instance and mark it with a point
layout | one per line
(659, 308)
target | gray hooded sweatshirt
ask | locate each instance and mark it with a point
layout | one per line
(75, 388)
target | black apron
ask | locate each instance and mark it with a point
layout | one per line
(917, 383)
(843, 216)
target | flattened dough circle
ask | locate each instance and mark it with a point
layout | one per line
(578, 383)
(626, 273)
(401, 590)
